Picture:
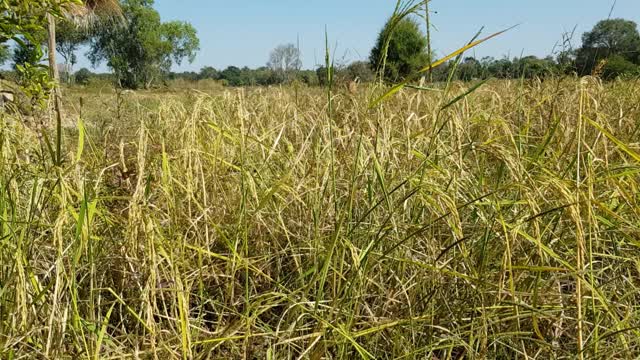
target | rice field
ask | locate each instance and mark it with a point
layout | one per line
(301, 223)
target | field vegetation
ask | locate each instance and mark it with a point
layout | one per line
(268, 223)
(400, 208)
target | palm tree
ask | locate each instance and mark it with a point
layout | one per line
(81, 14)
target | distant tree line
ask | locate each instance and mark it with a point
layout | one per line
(266, 75)
(141, 51)
(609, 50)
(235, 76)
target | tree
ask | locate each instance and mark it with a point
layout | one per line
(608, 38)
(321, 74)
(185, 75)
(69, 37)
(470, 68)
(144, 48)
(502, 69)
(80, 12)
(83, 76)
(617, 36)
(28, 54)
(232, 76)
(617, 65)
(406, 50)
(566, 60)
(285, 60)
(209, 72)
(309, 77)
(264, 76)
(360, 70)
(23, 21)
(532, 67)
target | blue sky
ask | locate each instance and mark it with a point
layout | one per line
(243, 32)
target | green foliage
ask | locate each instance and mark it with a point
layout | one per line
(24, 22)
(533, 67)
(614, 37)
(360, 70)
(309, 77)
(182, 40)
(501, 69)
(5, 54)
(235, 76)
(25, 19)
(617, 36)
(470, 69)
(262, 75)
(35, 82)
(83, 76)
(617, 65)
(321, 74)
(27, 53)
(566, 61)
(232, 75)
(209, 72)
(143, 50)
(32, 75)
(406, 51)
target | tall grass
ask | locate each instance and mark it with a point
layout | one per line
(236, 224)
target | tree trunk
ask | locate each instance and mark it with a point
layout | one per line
(53, 71)
(429, 54)
(53, 68)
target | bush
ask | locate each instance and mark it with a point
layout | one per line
(360, 70)
(83, 76)
(617, 65)
(309, 77)
(406, 53)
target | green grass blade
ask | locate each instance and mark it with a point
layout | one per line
(401, 85)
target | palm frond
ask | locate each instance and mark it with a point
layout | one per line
(90, 10)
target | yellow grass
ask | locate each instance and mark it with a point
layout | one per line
(214, 224)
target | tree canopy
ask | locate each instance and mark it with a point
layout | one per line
(406, 49)
(143, 49)
(285, 60)
(24, 22)
(614, 39)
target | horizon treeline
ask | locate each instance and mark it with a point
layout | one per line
(468, 68)
(611, 49)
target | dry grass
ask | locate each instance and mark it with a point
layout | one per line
(257, 224)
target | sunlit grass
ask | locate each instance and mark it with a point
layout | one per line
(244, 223)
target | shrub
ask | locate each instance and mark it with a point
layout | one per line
(360, 70)
(617, 65)
(83, 76)
(406, 53)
